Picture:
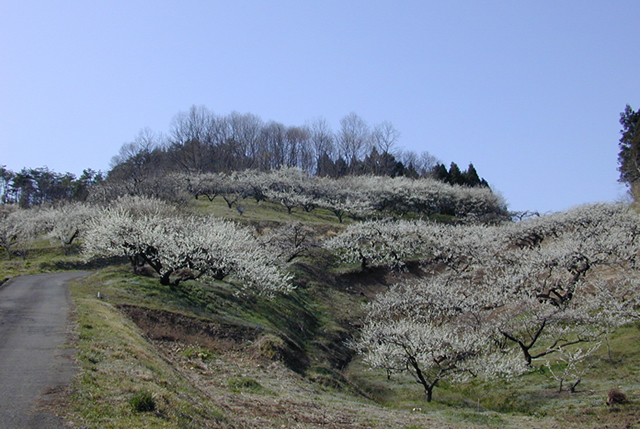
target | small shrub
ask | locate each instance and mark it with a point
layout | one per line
(511, 402)
(142, 402)
(616, 397)
(197, 352)
(144, 271)
(270, 347)
(244, 384)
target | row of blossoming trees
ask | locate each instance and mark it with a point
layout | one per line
(149, 232)
(495, 298)
(358, 197)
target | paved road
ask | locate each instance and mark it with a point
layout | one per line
(34, 315)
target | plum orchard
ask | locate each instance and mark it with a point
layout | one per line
(499, 297)
(180, 247)
(495, 298)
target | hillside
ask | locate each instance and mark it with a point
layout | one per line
(212, 352)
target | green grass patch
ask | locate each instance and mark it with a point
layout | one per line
(117, 364)
(246, 385)
(533, 395)
(142, 402)
(264, 211)
(193, 352)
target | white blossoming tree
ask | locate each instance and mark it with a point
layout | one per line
(434, 330)
(19, 227)
(10, 228)
(559, 290)
(68, 222)
(381, 242)
(185, 247)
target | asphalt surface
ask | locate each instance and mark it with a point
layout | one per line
(35, 358)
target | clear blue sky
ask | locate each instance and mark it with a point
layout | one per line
(529, 91)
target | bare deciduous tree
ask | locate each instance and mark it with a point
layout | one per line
(354, 138)
(385, 137)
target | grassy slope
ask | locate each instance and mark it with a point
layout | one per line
(246, 382)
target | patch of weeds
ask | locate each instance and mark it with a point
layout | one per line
(193, 352)
(270, 347)
(142, 402)
(488, 419)
(91, 356)
(325, 381)
(246, 385)
(512, 402)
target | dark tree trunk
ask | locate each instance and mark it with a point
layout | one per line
(428, 393)
(428, 387)
(574, 385)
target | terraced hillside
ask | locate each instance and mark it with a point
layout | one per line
(210, 352)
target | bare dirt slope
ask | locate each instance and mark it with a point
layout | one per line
(34, 364)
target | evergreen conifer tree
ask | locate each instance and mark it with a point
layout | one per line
(629, 156)
(440, 173)
(471, 177)
(455, 175)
